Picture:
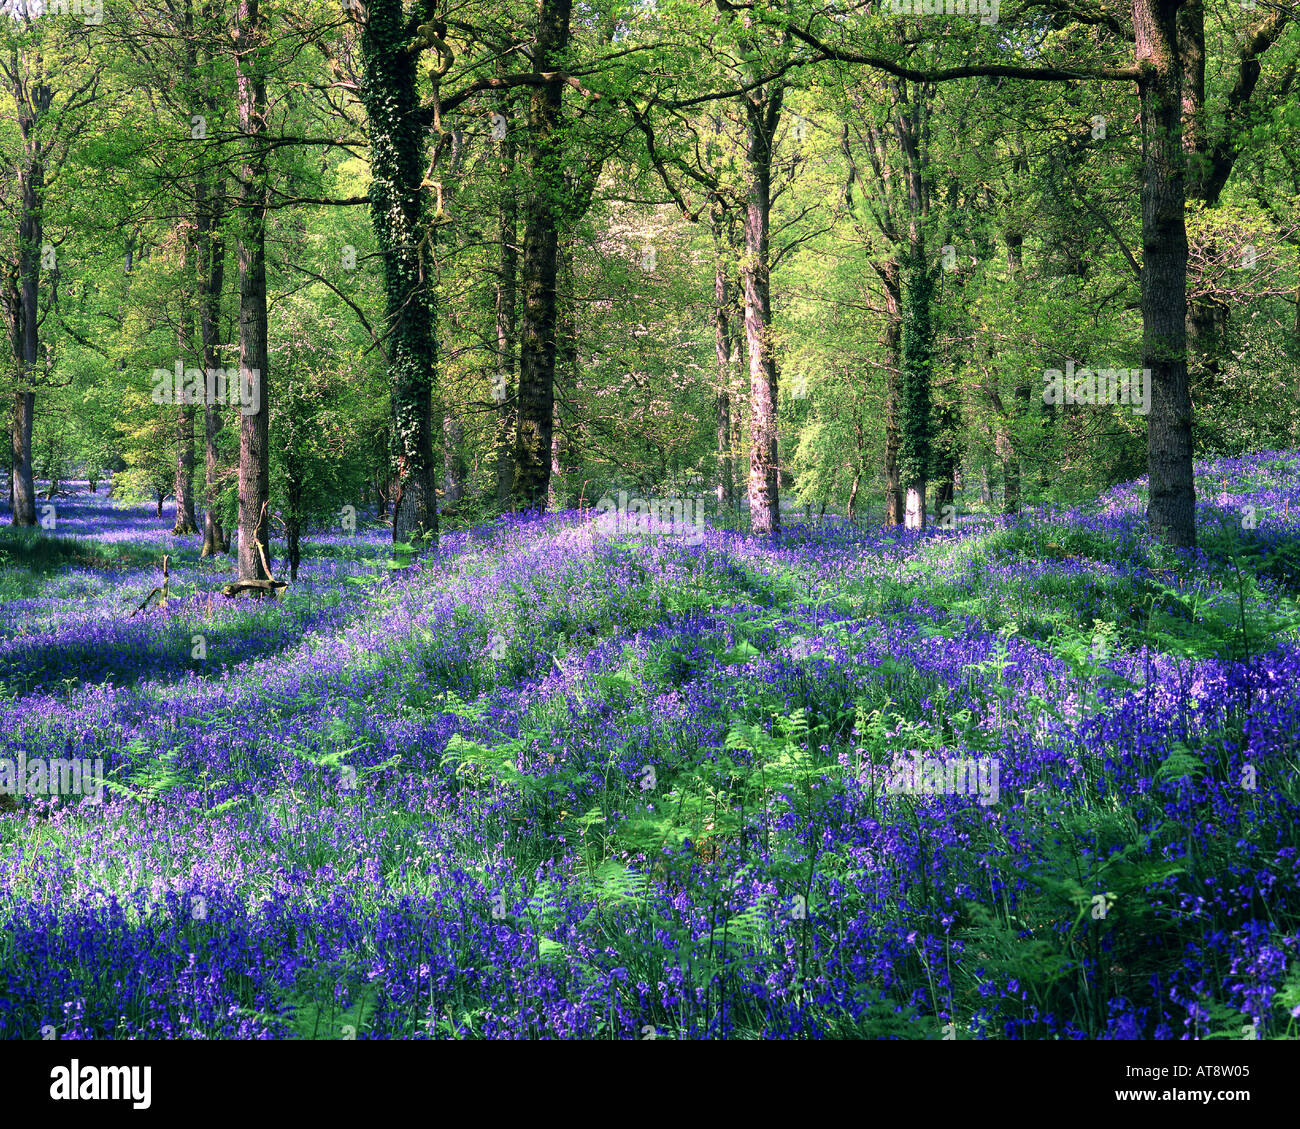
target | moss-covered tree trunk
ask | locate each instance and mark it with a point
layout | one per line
(724, 334)
(504, 391)
(33, 99)
(891, 277)
(390, 95)
(566, 372)
(210, 268)
(254, 437)
(762, 113)
(916, 440)
(538, 265)
(209, 209)
(1171, 508)
(183, 487)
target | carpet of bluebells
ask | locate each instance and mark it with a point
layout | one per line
(553, 781)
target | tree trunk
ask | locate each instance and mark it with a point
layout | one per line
(183, 487)
(1007, 448)
(945, 485)
(539, 265)
(1010, 472)
(390, 93)
(891, 276)
(209, 209)
(254, 447)
(504, 390)
(566, 371)
(293, 525)
(1171, 514)
(917, 431)
(724, 303)
(21, 296)
(453, 430)
(22, 483)
(762, 112)
(453, 462)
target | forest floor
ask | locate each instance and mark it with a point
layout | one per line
(1022, 778)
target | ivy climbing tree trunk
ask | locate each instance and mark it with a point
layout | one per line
(210, 267)
(32, 98)
(210, 207)
(505, 392)
(889, 153)
(566, 370)
(762, 108)
(918, 336)
(891, 277)
(254, 447)
(917, 439)
(539, 263)
(453, 428)
(390, 95)
(1006, 442)
(184, 484)
(724, 304)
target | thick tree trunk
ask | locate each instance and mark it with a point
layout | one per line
(22, 484)
(538, 266)
(724, 303)
(1006, 444)
(209, 208)
(453, 462)
(945, 486)
(21, 299)
(737, 400)
(917, 430)
(293, 525)
(183, 487)
(453, 430)
(390, 93)
(891, 276)
(915, 446)
(1171, 512)
(566, 371)
(504, 391)
(762, 112)
(254, 447)
(1010, 471)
